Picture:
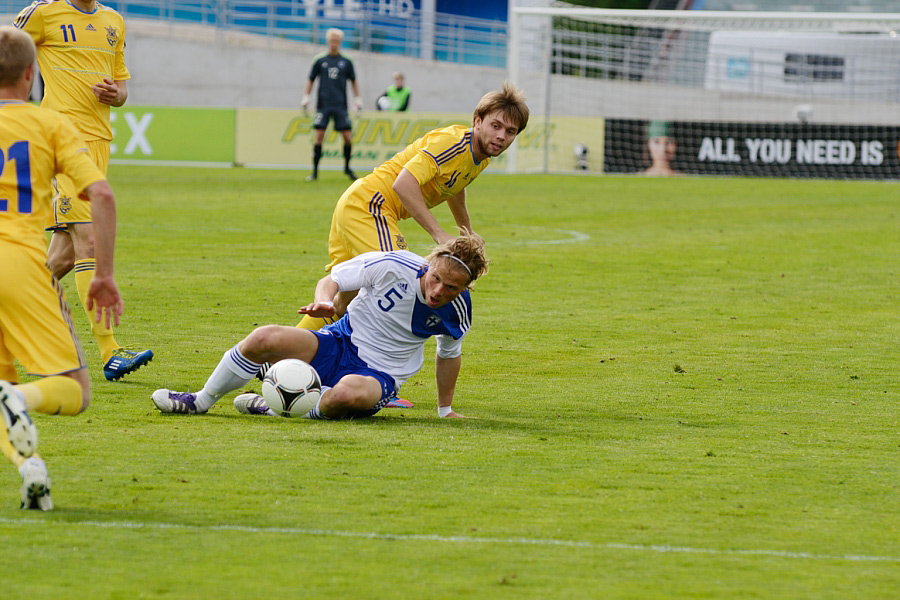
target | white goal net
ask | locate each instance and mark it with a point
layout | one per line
(701, 92)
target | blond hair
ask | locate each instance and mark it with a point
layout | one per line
(509, 100)
(17, 52)
(465, 253)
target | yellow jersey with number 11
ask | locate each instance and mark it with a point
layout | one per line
(77, 49)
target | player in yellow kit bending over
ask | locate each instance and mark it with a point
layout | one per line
(435, 168)
(36, 328)
(81, 55)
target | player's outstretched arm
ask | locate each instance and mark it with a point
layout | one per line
(447, 372)
(457, 206)
(103, 293)
(322, 305)
(410, 193)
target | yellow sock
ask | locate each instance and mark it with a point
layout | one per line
(56, 395)
(11, 455)
(8, 451)
(84, 272)
(314, 323)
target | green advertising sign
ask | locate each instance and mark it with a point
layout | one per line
(180, 135)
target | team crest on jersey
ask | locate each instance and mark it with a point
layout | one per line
(64, 204)
(432, 321)
(400, 242)
(112, 35)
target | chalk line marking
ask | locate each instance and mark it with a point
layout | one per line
(568, 236)
(449, 539)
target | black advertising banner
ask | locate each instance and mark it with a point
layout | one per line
(752, 149)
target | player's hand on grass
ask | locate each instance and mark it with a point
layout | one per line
(103, 297)
(318, 310)
(455, 415)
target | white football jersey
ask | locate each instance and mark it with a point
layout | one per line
(389, 320)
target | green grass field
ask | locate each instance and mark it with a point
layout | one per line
(685, 388)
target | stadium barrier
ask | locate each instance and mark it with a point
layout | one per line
(256, 137)
(281, 138)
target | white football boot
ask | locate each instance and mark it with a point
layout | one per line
(20, 430)
(35, 485)
(168, 401)
(253, 404)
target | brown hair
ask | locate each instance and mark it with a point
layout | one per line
(16, 53)
(466, 253)
(510, 100)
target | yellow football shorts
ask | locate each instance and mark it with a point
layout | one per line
(67, 206)
(360, 224)
(35, 323)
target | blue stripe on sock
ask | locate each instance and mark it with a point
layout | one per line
(247, 366)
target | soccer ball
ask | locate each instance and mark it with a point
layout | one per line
(803, 113)
(383, 103)
(291, 388)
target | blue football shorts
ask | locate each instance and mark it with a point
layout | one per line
(337, 356)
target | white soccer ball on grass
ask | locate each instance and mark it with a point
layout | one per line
(291, 388)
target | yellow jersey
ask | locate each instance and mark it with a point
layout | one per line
(76, 50)
(442, 161)
(35, 145)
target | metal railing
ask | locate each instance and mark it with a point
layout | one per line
(368, 25)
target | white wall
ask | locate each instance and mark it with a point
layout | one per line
(186, 65)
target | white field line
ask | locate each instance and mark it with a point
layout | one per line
(446, 539)
(567, 236)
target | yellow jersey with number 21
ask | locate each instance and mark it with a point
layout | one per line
(36, 144)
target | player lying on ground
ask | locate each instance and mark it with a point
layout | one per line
(436, 168)
(375, 347)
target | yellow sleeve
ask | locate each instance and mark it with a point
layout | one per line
(31, 21)
(436, 148)
(120, 72)
(422, 166)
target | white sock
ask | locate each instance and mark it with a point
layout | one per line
(232, 372)
(314, 412)
(34, 460)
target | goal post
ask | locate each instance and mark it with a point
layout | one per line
(785, 94)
